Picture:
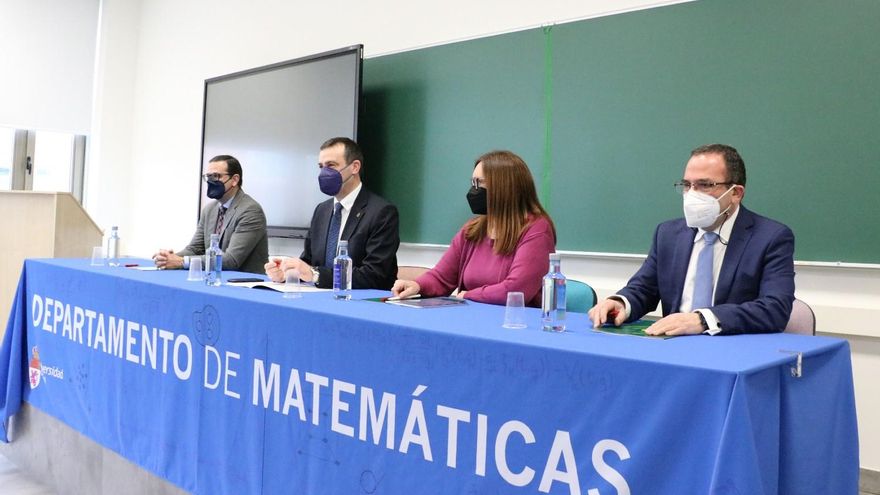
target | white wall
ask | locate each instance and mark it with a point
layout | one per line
(109, 151)
(47, 50)
(146, 141)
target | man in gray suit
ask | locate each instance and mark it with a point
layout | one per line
(235, 216)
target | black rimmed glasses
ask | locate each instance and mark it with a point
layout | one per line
(702, 186)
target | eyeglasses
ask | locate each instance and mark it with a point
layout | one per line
(210, 177)
(478, 182)
(703, 186)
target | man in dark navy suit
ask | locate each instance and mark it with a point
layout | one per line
(720, 270)
(369, 224)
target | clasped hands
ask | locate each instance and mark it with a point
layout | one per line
(165, 259)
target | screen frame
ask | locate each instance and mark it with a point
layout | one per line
(283, 231)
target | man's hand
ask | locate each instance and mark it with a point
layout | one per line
(677, 324)
(609, 310)
(276, 268)
(305, 271)
(273, 270)
(165, 259)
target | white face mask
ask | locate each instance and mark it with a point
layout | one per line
(702, 209)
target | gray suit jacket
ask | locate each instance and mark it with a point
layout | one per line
(243, 240)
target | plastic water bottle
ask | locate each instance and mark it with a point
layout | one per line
(553, 298)
(214, 262)
(342, 272)
(113, 247)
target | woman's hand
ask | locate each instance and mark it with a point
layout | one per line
(405, 288)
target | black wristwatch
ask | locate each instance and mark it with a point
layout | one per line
(702, 321)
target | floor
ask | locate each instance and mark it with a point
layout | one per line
(14, 481)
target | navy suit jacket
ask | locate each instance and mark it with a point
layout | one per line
(755, 288)
(373, 234)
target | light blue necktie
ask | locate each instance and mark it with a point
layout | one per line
(333, 235)
(703, 281)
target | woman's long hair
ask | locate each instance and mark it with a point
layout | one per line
(512, 202)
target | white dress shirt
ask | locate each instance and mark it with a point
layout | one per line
(720, 246)
(347, 203)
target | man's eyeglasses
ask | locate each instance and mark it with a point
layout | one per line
(702, 186)
(478, 182)
(210, 177)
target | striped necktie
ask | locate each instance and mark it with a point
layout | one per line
(219, 226)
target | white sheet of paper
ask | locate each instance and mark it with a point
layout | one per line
(278, 286)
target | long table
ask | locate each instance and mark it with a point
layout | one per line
(234, 390)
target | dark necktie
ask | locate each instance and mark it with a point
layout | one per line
(219, 227)
(705, 267)
(333, 235)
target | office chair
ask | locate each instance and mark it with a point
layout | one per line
(802, 320)
(580, 296)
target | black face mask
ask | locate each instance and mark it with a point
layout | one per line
(216, 189)
(478, 201)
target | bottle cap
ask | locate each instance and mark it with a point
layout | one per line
(554, 256)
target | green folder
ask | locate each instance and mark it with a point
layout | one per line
(636, 328)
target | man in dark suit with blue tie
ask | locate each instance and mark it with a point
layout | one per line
(720, 270)
(369, 224)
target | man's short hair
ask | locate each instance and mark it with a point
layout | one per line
(736, 168)
(352, 150)
(233, 167)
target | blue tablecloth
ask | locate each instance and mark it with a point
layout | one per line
(233, 390)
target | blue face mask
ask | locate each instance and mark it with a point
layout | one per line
(216, 188)
(330, 180)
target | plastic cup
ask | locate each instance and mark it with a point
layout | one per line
(196, 274)
(292, 288)
(98, 256)
(515, 312)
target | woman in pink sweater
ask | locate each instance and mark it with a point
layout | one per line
(504, 248)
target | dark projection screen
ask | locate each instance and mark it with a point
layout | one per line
(274, 119)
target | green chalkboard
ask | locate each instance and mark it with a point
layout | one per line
(605, 111)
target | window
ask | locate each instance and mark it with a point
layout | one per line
(41, 161)
(53, 160)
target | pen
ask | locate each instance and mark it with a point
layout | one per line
(129, 265)
(398, 298)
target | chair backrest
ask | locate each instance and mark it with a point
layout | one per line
(410, 272)
(579, 296)
(802, 320)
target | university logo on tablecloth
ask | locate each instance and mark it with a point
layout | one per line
(34, 371)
